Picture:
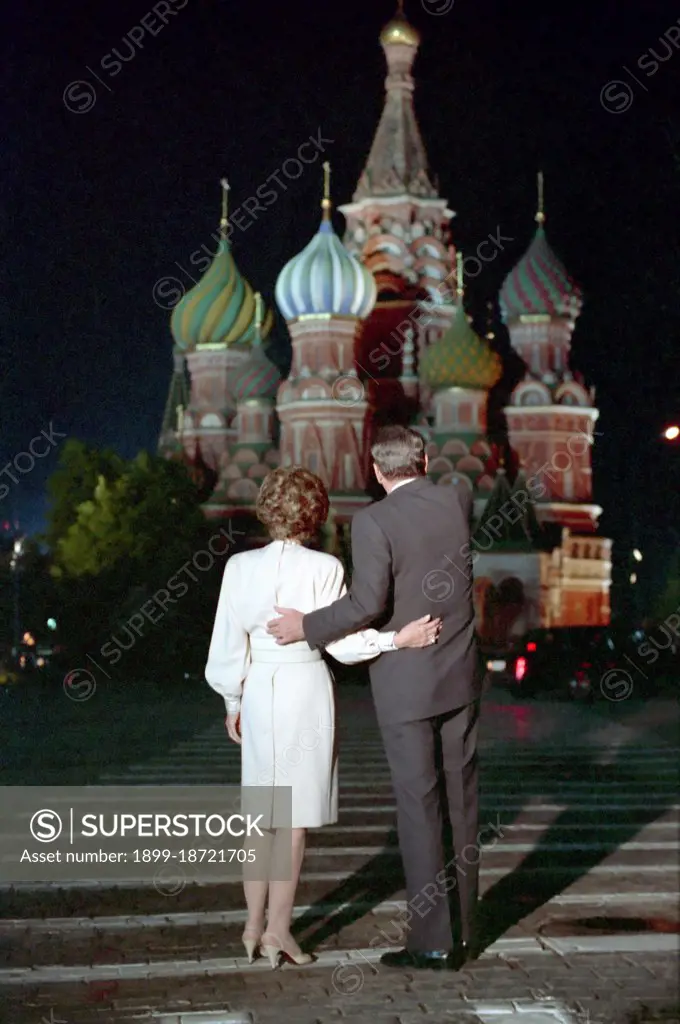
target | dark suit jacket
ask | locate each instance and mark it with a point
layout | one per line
(411, 555)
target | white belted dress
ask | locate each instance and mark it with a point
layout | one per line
(284, 693)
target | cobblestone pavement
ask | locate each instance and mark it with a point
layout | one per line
(578, 912)
(588, 989)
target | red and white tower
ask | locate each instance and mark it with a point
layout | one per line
(324, 293)
(396, 223)
(552, 414)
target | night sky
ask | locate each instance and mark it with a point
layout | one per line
(100, 205)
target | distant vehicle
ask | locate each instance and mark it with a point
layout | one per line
(577, 663)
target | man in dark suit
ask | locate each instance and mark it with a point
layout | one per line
(411, 554)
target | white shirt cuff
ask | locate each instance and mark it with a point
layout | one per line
(386, 641)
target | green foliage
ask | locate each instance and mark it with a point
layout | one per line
(131, 523)
(130, 527)
(74, 482)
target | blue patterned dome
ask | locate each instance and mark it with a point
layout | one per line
(325, 279)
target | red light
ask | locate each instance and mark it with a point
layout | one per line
(531, 646)
(520, 668)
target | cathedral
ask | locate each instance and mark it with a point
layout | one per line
(379, 333)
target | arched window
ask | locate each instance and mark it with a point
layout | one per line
(532, 398)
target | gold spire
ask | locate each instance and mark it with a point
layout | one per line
(540, 214)
(326, 201)
(259, 317)
(459, 274)
(224, 222)
(399, 30)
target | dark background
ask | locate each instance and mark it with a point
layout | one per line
(98, 206)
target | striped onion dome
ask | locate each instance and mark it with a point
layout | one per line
(256, 377)
(325, 279)
(460, 359)
(539, 285)
(219, 309)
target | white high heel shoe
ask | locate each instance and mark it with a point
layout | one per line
(276, 954)
(251, 942)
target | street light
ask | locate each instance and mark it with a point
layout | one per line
(633, 577)
(671, 433)
(637, 554)
(15, 566)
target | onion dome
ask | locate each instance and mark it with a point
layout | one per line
(220, 308)
(256, 377)
(325, 279)
(539, 285)
(399, 31)
(460, 359)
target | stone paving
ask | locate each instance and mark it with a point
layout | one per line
(588, 801)
(593, 988)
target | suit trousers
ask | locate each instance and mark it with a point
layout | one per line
(434, 762)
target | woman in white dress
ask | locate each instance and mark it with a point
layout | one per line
(280, 700)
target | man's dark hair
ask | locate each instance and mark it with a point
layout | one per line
(399, 452)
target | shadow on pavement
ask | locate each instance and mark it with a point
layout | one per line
(592, 831)
(46, 738)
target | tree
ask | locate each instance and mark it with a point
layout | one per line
(134, 525)
(74, 482)
(135, 529)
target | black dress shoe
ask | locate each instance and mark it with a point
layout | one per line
(460, 955)
(435, 959)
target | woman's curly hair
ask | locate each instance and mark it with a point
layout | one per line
(292, 503)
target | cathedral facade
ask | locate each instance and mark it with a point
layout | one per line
(379, 333)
